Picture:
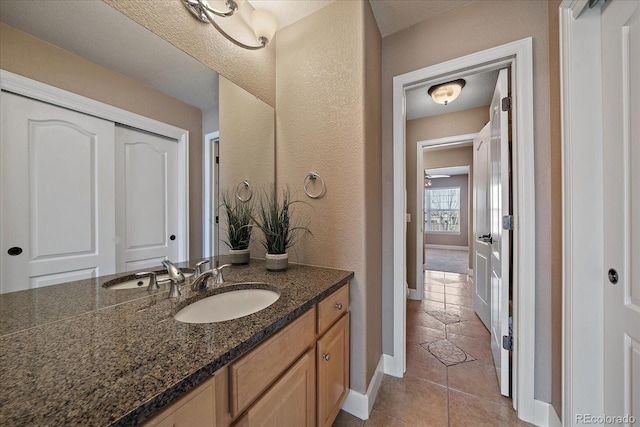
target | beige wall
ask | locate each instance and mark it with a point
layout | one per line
(247, 148)
(472, 28)
(252, 70)
(327, 121)
(444, 125)
(30, 57)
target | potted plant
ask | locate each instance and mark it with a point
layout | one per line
(274, 218)
(239, 227)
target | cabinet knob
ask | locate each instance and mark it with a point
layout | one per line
(326, 356)
(339, 306)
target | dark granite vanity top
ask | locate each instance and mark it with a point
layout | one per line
(81, 354)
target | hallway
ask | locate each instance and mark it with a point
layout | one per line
(450, 378)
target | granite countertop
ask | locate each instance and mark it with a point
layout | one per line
(81, 354)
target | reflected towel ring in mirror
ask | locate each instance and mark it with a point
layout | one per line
(311, 179)
(246, 189)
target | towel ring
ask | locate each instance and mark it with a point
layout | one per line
(247, 189)
(311, 177)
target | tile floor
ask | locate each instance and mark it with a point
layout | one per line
(450, 378)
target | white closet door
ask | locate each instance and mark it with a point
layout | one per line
(146, 199)
(57, 195)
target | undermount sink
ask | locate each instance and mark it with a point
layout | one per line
(227, 305)
(141, 282)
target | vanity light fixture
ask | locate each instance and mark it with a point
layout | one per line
(445, 93)
(264, 23)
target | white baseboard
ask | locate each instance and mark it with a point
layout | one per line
(414, 294)
(447, 247)
(545, 415)
(360, 405)
(470, 272)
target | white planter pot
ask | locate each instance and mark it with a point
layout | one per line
(239, 256)
(277, 262)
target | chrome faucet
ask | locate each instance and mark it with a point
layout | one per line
(174, 272)
(200, 282)
(199, 268)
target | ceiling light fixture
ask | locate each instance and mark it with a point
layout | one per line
(264, 23)
(445, 93)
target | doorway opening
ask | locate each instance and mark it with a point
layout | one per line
(516, 56)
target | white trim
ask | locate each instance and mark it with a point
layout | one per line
(545, 415)
(518, 55)
(447, 247)
(360, 405)
(582, 170)
(209, 194)
(33, 89)
(470, 273)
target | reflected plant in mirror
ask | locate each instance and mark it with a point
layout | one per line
(280, 231)
(239, 214)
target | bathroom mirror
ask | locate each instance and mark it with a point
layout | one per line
(243, 124)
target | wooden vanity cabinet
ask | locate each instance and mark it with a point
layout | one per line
(332, 355)
(196, 409)
(298, 377)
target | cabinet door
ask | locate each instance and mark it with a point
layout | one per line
(147, 203)
(57, 195)
(291, 401)
(333, 371)
(196, 410)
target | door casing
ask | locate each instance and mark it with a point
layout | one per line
(519, 56)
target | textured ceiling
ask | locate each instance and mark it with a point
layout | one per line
(289, 11)
(395, 15)
(477, 92)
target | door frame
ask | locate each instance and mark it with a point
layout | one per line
(421, 146)
(582, 217)
(20, 85)
(210, 194)
(519, 56)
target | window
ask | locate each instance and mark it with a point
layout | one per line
(442, 210)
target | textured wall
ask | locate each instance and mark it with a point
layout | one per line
(444, 125)
(247, 147)
(253, 71)
(324, 126)
(28, 56)
(472, 28)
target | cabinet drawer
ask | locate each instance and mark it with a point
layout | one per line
(256, 371)
(332, 307)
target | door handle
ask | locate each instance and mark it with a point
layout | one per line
(486, 238)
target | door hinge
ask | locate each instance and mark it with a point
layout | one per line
(507, 342)
(217, 160)
(506, 103)
(217, 219)
(507, 222)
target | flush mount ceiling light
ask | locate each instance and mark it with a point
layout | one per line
(444, 93)
(264, 23)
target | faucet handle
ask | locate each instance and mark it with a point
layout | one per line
(219, 276)
(199, 270)
(174, 290)
(153, 283)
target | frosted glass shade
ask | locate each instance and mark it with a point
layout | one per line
(447, 92)
(264, 24)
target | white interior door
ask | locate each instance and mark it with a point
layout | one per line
(481, 227)
(57, 195)
(621, 131)
(500, 252)
(146, 199)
